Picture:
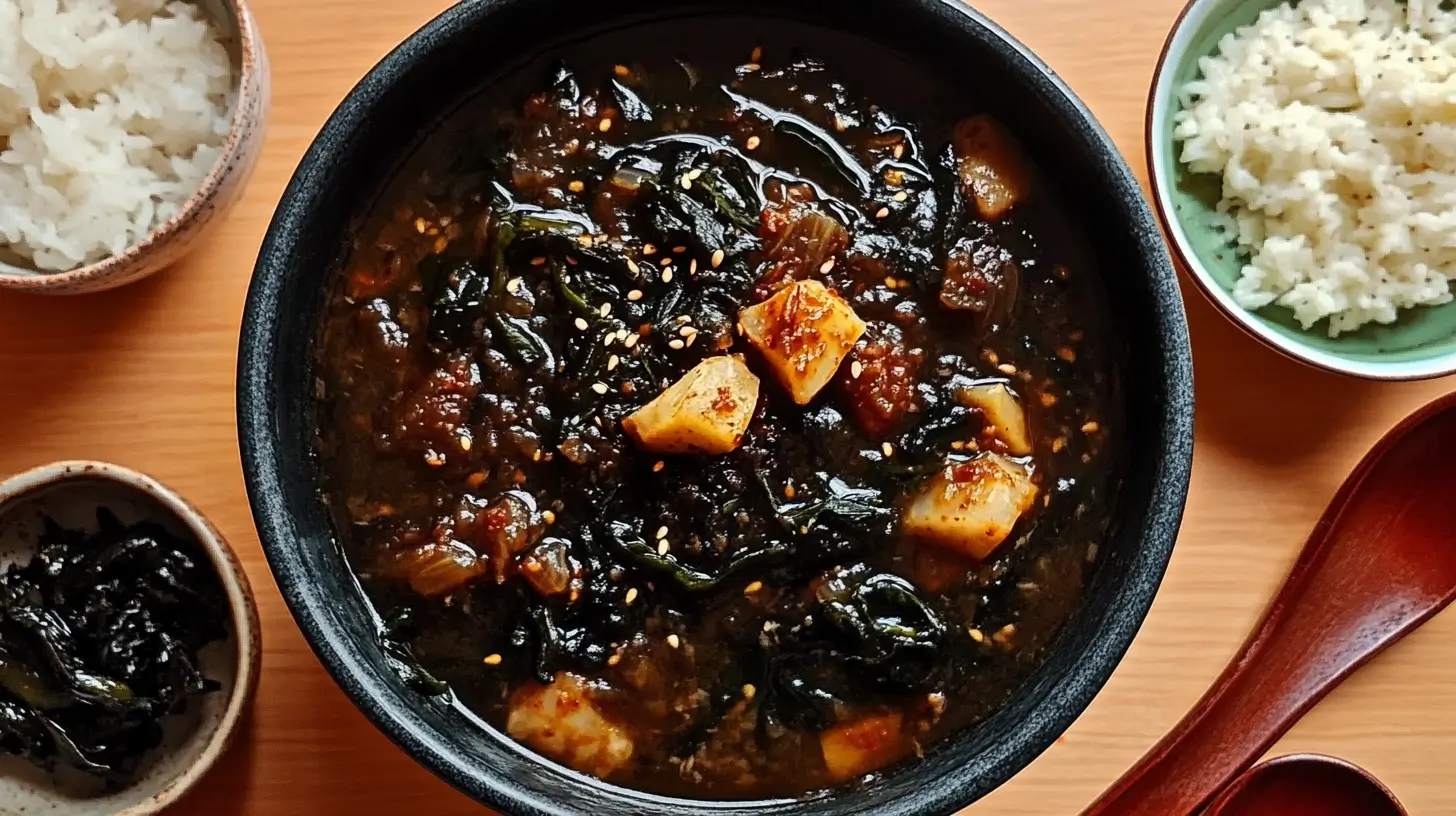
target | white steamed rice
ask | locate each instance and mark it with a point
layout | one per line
(111, 114)
(1333, 126)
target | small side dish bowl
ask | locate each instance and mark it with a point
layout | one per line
(71, 493)
(1420, 345)
(220, 189)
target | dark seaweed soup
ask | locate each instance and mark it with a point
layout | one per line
(726, 422)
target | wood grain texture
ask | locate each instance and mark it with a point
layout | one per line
(144, 377)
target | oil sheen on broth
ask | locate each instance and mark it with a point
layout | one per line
(714, 427)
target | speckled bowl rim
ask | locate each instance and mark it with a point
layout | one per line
(249, 47)
(1160, 106)
(247, 632)
(272, 466)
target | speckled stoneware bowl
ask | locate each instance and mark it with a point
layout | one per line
(71, 492)
(1421, 344)
(476, 42)
(220, 189)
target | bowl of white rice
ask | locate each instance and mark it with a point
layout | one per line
(1303, 159)
(127, 128)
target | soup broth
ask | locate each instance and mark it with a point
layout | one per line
(727, 422)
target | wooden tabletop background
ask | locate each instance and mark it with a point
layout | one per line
(144, 377)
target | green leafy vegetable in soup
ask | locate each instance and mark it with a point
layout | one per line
(713, 430)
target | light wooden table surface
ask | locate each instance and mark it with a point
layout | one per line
(144, 377)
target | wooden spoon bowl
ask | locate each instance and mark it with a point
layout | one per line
(1306, 785)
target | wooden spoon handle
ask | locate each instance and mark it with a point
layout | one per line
(1352, 593)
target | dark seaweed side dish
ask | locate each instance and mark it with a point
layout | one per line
(99, 641)
(714, 427)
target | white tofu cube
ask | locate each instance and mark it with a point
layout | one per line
(804, 333)
(707, 411)
(971, 507)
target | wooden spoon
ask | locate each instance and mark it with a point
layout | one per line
(1380, 562)
(1306, 785)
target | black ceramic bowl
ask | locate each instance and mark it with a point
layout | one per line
(376, 127)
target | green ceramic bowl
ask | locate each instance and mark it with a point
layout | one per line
(1421, 344)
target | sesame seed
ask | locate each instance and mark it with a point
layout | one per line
(648, 249)
(749, 691)
(421, 225)
(465, 443)
(609, 339)
(687, 183)
(614, 659)
(631, 340)
(581, 324)
(1067, 354)
(826, 266)
(752, 587)
(538, 261)
(514, 285)
(884, 211)
(1058, 444)
(695, 174)
(663, 547)
(687, 331)
(666, 262)
(672, 640)
(631, 595)
(751, 67)
(888, 449)
(657, 468)
(752, 143)
(901, 196)
(584, 240)
(679, 249)
(900, 151)
(632, 267)
(890, 282)
(1091, 428)
(691, 338)
(661, 532)
(621, 71)
(675, 344)
(681, 319)
(492, 660)
(789, 491)
(576, 186)
(1007, 369)
(634, 295)
(717, 258)
(605, 310)
(667, 274)
(756, 55)
(977, 635)
(605, 126)
(548, 516)
(856, 368)
(613, 362)
(693, 267)
(600, 388)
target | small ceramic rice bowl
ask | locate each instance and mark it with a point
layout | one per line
(220, 188)
(1420, 344)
